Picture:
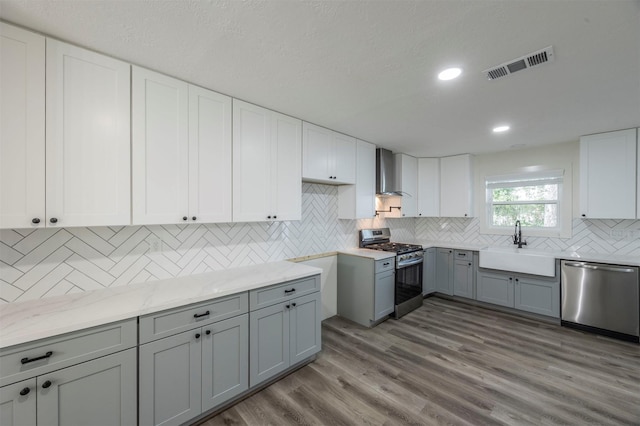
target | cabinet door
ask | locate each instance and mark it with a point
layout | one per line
(407, 177)
(225, 361)
(538, 296)
(18, 404)
(252, 160)
(444, 271)
(608, 175)
(305, 327)
(455, 186)
(269, 343)
(22, 121)
(88, 138)
(170, 382)
(98, 392)
(359, 201)
(428, 187)
(344, 159)
(463, 272)
(317, 153)
(495, 288)
(209, 156)
(429, 275)
(384, 293)
(286, 171)
(160, 148)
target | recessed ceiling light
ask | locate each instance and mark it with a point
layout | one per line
(449, 74)
(500, 129)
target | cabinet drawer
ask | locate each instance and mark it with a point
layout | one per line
(167, 323)
(40, 357)
(463, 254)
(385, 265)
(267, 296)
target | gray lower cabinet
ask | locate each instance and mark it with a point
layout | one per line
(495, 288)
(366, 288)
(98, 392)
(444, 271)
(101, 392)
(464, 274)
(539, 295)
(429, 271)
(81, 378)
(18, 403)
(286, 332)
(184, 375)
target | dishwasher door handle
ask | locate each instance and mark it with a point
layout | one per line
(599, 267)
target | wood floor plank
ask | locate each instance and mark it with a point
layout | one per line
(448, 363)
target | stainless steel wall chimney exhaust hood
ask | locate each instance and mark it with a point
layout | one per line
(386, 173)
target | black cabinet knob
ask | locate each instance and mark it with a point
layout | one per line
(46, 384)
(517, 280)
(25, 391)
(35, 220)
(197, 335)
(419, 214)
(510, 279)
(275, 217)
(469, 263)
(293, 304)
(53, 220)
(193, 218)
(287, 306)
(208, 332)
(268, 217)
(465, 215)
(583, 215)
(184, 218)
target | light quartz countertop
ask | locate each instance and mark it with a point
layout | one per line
(23, 322)
(370, 254)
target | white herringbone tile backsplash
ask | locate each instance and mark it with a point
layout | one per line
(588, 236)
(48, 262)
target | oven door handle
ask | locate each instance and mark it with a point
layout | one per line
(411, 263)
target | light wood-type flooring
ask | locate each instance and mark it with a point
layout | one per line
(451, 363)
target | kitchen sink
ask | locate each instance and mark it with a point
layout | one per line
(521, 260)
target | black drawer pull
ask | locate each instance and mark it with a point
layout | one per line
(26, 360)
(289, 291)
(25, 391)
(46, 384)
(385, 264)
(201, 315)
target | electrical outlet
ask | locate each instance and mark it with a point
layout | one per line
(618, 233)
(155, 245)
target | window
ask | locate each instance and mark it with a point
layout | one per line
(533, 198)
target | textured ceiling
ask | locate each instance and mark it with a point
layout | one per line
(368, 68)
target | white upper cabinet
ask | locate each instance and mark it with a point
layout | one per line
(88, 163)
(328, 156)
(209, 156)
(428, 187)
(22, 128)
(608, 175)
(407, 181)
(266, 164)
(456, 186)
(359, 201)
(181, 151)
(160, 148)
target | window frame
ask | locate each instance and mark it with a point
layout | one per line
(528, 177)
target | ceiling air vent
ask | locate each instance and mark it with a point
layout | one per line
(522, 63)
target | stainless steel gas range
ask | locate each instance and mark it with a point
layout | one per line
(409, 263)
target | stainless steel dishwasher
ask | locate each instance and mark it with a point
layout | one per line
(602, 298)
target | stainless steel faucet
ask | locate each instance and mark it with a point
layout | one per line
(517, 236)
